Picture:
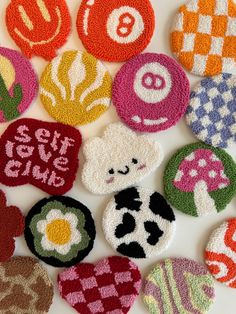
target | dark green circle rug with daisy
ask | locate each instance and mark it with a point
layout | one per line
(200, 180)
(60, 231)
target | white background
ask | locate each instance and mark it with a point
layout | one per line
(192, 233)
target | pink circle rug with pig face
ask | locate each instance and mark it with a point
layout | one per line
(151, 92)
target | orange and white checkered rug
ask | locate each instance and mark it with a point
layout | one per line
(203, 36)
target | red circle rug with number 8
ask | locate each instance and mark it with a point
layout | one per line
(115, 30)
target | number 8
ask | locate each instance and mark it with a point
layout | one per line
(125, 27)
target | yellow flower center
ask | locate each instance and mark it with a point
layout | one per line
(58, 231)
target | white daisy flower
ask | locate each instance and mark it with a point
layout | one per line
(59, 231)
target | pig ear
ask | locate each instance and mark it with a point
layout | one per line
(93, 148)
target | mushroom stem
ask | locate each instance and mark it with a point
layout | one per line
(204, 203)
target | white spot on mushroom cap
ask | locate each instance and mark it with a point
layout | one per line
(214, 158)
(190, 157)
(193, 173)
(222, 185)
(202, 163)
(212, 174)
(179, 176)
(223, 175)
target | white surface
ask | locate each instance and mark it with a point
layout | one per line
(191, 233)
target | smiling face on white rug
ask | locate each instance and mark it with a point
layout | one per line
(118, 159)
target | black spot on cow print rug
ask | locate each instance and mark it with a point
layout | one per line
(138, 222)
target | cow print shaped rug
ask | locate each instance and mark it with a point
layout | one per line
(139, 223)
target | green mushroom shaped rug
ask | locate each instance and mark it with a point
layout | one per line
(60, 231)
(200, 180)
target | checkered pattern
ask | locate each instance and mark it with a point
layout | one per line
(204, 36)
(212, 111)
(109, 287)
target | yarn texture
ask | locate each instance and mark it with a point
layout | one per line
(203, 36)
(220, 253)
(60, 231)
(139, 223)
(118, 159)
(211, 112)
(110, 286)
(178, 285)
(151, 92)
(75, 88)
(115, 30)
(44, 154)
(38, 27)
(18, 84)
(25, 287)
(200, 180)
(12, 224)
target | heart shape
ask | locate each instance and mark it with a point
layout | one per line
(110, 286)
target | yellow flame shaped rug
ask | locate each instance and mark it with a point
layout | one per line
(75, 88)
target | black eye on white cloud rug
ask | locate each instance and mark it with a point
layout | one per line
(139, 223)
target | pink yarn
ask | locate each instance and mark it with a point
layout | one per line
(24, 75)
(151, 92)
(201, 165)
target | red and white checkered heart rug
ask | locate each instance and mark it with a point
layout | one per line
(110, 286)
